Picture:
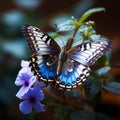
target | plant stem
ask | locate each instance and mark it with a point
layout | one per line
(70, 41)
(78, 105)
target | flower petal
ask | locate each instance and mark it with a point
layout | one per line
(18, 81)
(24, 63)
(26, 70)
(32, 80)
(37, 91)
(24, 89)
(25, 107)
(24, 74)
(38, 106)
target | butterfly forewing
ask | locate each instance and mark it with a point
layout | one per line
(89, 52)
(39, 42)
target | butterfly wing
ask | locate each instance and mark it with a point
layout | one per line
(89, 52)
(39, 42)
(76, 69)
(45, 53)
(73, 74)
(43, 67)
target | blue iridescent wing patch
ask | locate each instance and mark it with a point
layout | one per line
(40, 67)
(45, 53)
(73, 74)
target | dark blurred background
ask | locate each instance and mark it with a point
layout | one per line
(45, 14)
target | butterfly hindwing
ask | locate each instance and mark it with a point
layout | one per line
(42, 68)
(89, 52)
(73, 74)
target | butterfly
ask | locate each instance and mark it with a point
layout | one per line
(67, 66)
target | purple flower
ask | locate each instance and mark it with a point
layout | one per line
(24, 64)
(32, 100)
(25, 78)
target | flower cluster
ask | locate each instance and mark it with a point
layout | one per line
(30, 92)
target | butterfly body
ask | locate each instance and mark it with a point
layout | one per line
(61, 60)
(67, 67)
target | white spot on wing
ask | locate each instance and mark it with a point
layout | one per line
(44, 38)
(48, 42)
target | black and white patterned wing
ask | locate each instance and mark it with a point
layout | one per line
(39, 42)
(45, 53)
(76, 68)
(89, 52)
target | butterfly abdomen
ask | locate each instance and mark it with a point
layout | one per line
(61, 60)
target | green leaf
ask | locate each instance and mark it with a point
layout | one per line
(62, 40)
(105, 59)
(92, 88)
(74, 94)
(95, 37)
(54, 35)
(86, 30)
(89, 13)
(66, 26)
(113, 87)
(82, 115)
(103, 70)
